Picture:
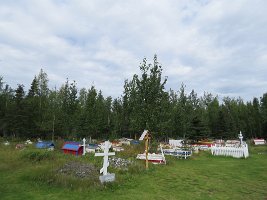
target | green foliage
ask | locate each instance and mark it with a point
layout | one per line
(263, 111)
(144, 98)
(145, 104)
(35, 155)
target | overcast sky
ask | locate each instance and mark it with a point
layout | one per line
(217, 46)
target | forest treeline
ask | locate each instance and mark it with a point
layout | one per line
(145, 104)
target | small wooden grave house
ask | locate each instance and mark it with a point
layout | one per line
(74, 148)
(259, 141)
(91, 148)
(176, 143)
(45, 145)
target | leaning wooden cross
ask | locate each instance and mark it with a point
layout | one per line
(104, 170)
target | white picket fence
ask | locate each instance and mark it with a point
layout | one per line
(236, 152)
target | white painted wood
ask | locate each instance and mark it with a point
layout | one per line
(84, 140)
(240, 136)
(106, 153)
(236, 152)
(259, 141)
(28, 142)
(154, 158)
(162, 153)
(143, 135)
(176, 143)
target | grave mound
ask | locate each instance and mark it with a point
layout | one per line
(79, 170)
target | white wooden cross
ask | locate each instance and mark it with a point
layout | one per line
(104, 169)
(240, 136)
(84, 140)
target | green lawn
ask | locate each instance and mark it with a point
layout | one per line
(201, 177)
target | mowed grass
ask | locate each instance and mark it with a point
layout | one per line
(27, 176)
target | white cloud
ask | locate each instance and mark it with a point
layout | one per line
(210, 45)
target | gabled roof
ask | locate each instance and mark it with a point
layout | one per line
(72, 146)
(44, 144)
(259, 139)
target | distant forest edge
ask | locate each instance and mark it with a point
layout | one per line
(145, 104)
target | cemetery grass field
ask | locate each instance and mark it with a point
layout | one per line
(32, 174)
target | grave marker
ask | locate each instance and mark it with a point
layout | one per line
(84, 140)
(104, 170)
(237, 151)
(143, 135)
(240, 136)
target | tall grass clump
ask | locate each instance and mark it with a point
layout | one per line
(131, 151)
(36, 155)
(51, 177)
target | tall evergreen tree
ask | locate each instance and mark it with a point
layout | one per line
(117, 117)
(89, 113)
(19, 118)
(69, 106)
(263, 108)
(32, 109)
(6, 101)
(257, 120)
(211, 106)
(43, 91)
